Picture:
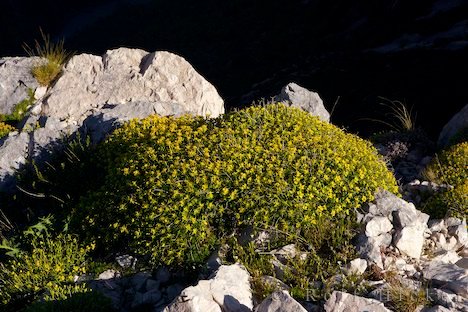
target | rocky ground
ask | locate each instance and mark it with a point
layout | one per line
(398, 244)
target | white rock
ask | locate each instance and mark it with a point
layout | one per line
(450, 276)
(280, 301)
(130, 75)
(410, 241)
(109, 274)
(13, 153)
(16, 79)
(460, 232)
(449, 256)
(309, 101)
(343, 302)
(357, 266)
(377, 226)
(227, 291)
(40, 92)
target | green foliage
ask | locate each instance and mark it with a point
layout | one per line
(450, 165)
(77, 302)
(54, 56)
(54, 186)
(174, 186)
(450, 203)
(327, 245)
(5, 129)
(46, 272)
(20, 109)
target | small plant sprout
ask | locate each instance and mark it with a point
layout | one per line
(54, 56)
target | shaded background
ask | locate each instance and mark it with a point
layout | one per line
(412, 51)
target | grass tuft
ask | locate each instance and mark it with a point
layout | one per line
(55, 56)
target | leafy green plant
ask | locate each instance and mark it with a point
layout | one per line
(174, 186)
(54, 56)
(46, 272)
(20, 109)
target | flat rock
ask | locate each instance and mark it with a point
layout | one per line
(309, 101)
(449, 276)
(280, 301)
(344, 302)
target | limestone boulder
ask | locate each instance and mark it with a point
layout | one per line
(15, 81)
(124, 75)
(228, 291)
(309, 101)
(344, 302)
(280, 301)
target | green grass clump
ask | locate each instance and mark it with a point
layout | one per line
(46, 272)
(5, 129)
(175, 186)
(54, 55)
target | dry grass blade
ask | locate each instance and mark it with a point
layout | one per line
(399, 111)
(54, 54)
(402, 117)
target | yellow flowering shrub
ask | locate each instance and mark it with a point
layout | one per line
(174, 186)
(5, 129)
(450, 166)
(47, 272)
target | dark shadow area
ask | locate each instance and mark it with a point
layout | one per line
(414, 51)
